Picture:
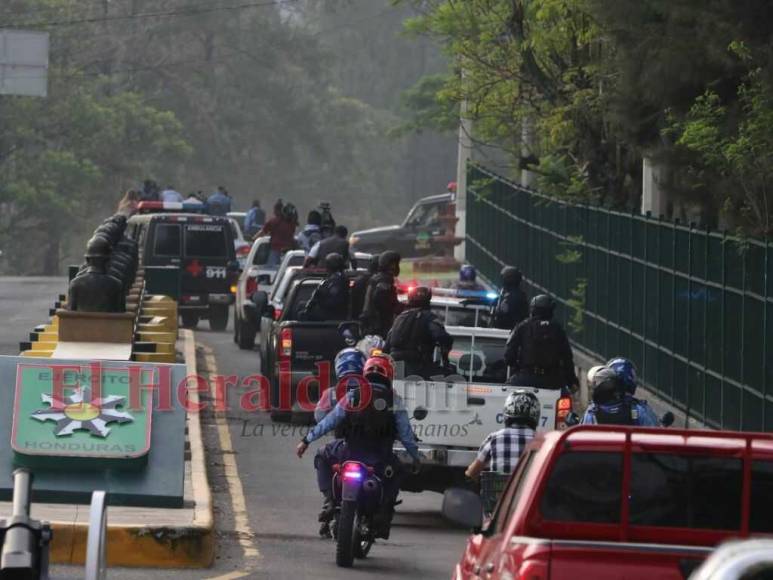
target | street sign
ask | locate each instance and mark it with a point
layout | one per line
(24, 63)
(77, 421)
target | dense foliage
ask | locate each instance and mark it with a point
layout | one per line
(600, 84)
(261, 96)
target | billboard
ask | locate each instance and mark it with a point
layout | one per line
(23, 63)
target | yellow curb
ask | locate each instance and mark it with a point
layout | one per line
(145, 545)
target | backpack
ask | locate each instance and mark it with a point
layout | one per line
(371, 419)
(542, 345)
(622, 413)
(405, 333)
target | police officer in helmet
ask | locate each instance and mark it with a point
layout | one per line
(330, 300)
(415, 334)
(512, 306)
(538, 350)
(612, 387)
(381, 303)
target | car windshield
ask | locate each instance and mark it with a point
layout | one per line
(261, 254)
(479, 359)
(425, 214)
(205, 241)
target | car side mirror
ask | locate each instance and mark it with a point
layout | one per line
(463, 507)
(572, 419)
(668, 419)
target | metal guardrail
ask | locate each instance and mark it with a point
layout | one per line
(691, 307)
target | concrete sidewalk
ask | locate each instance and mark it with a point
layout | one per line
(146, 537)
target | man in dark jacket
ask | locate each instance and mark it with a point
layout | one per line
(335, 244)
(381, 303)
(330, 300)
(360, 287)
(538, 350)
(512, 306)
(415, 334)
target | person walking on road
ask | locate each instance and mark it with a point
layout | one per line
(281, 228)
(311, 233)
(512, 306)
(538, 350)
(254, 220)
(381, 303)
(219, 203)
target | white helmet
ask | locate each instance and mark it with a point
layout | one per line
(524, 406)
(371, 343)
(592, 373)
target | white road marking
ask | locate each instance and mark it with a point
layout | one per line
(235, 488)
(230, 576)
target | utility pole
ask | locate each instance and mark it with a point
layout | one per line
(465, 155)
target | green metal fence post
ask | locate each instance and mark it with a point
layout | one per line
(706, 322)
(647, 217)
(689, 321)
(722, 332)
(674, 225)
(765, 332)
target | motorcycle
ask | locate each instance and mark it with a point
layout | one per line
(360, 515)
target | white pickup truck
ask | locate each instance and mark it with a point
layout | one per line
(452, 417)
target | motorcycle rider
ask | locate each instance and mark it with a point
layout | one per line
(311, 233)
(501, 450)
(512, 306)
(613, 387)
(338, 244)
(415, 334)
(360, 287)
(349, 365)
(538, 350)
(370, 427)
(330, 300)
(381, 303)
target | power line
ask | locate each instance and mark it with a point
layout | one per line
(161, 14)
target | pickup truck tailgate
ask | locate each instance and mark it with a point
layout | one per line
(314, 342)
(463, 414)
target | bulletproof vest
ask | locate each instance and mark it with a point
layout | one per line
(621, 413)
(332, 245)
(541, 345)
(330, 300)
(96, 292)
(369, 422)
(379, 309)
(410, 337)
(358, 291)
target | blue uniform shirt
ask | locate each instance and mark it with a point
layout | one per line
(643, 415)
(218, 203)
(337, 416)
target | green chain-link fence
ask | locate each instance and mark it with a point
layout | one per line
(691, 308)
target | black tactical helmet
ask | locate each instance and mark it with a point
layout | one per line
(420, 297)
(607, 388)
(389, 261)
(98, 247)
(542, 306)
(335, 262)
(511, 277)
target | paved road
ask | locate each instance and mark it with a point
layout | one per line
(279, 489)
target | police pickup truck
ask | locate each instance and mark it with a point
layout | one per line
(452, 417)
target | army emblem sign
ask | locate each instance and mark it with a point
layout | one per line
(83, 412)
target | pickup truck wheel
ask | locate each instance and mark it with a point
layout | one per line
(218, 317)
(245, 334)
(189, 319)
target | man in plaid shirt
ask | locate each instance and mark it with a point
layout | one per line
(502, 449)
